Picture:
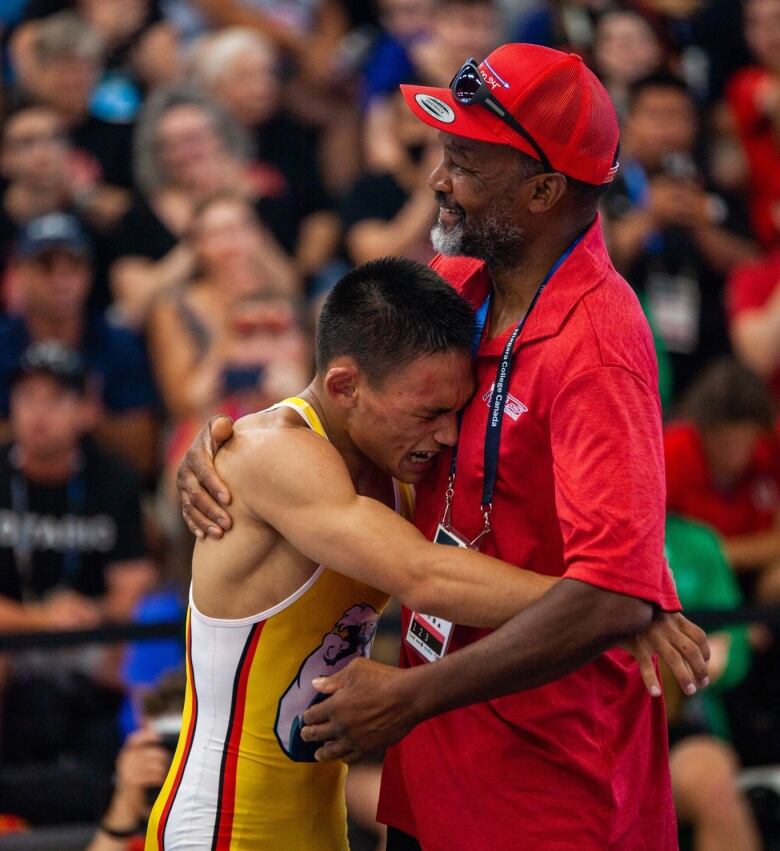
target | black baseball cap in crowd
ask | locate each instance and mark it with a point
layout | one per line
(49, 232)
(54, 359)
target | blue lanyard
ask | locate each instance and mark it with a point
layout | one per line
(498, 399)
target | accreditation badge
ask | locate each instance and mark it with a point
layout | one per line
(428, 634)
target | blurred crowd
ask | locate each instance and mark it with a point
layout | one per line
(181, 181)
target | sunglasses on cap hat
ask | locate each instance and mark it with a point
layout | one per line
(470, 88)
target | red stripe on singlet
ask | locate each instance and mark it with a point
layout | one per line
(223, 830)
(187, 746)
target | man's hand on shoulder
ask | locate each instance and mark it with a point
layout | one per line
(202, 493)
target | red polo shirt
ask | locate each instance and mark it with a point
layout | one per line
(749, 507)
(580, 763)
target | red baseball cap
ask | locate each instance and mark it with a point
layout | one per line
(553, 95)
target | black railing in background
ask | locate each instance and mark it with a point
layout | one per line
(709, 619)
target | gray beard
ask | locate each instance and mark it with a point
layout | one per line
(447, 241)
(491, 240)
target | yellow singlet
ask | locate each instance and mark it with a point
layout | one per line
(242, 777)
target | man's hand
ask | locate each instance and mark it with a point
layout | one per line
(682, 645)
(371, 706)
(201, 490)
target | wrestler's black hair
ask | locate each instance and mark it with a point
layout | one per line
(388, 312)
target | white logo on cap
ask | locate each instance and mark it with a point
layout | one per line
(436, 108)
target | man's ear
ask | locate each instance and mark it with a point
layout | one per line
(548, 189)
(342, 381)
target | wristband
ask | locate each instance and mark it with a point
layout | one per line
(114, 833)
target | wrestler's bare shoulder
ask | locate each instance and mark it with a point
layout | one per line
(271, 446)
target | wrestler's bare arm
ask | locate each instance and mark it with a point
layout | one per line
(297, 483)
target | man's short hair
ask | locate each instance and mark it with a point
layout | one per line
(388, 312)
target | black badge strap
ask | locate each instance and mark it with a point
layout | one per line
(499, 397)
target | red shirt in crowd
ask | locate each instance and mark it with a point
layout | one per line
(750, 287)
(744, 95)
(749, 507)
(580, 763)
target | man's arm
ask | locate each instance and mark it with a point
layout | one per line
(297, 482)
(372, 706)
(568, 627)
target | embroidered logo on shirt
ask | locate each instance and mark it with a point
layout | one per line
(513, 407)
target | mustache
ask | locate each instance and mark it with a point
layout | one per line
(445, 200)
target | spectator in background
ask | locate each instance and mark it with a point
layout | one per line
(241, 70)
(458, 29)
(704, 767)
(232, 340)
(391, 210)
(186, 148)
(723, 469)
(626, 48)
(141, 768)
(388, 64)
(754, 98)
(673, 240)
(71, 557)
(753, 301)
(140, 48)
(68, 57)
(192, 330)
(309, 31)
(564, 24)
(43, 173)
(51, 270)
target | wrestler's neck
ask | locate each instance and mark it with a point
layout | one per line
(361, 469)
(515, 284)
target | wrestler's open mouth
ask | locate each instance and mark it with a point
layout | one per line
(421, 457)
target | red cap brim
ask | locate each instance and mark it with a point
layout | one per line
(438, 108)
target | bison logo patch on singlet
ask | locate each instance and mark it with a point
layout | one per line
(351, 636)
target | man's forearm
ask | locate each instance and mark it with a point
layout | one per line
(568, 627)
(477, 595)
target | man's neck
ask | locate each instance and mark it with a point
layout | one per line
(54, 469)
(361, 470)
(514, 286)
(67, 330)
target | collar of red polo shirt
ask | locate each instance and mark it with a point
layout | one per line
(553, 95)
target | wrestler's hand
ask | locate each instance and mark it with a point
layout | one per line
(201, 491)
(680, 643)
(371, 706)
